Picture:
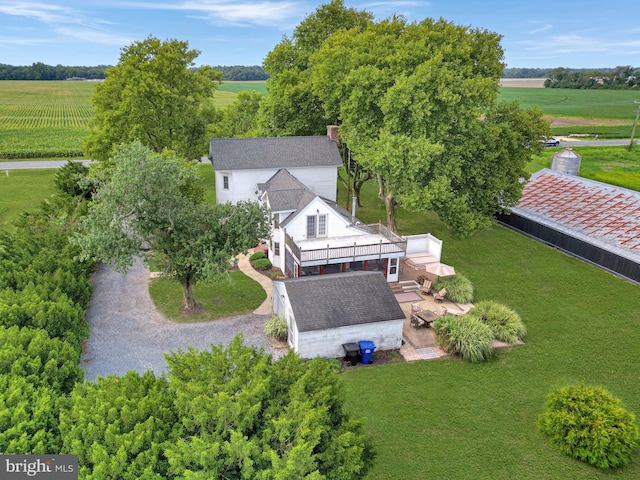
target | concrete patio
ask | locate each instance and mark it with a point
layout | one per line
(420, 343)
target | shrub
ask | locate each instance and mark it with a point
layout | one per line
(262, 264)
(464, 336)
(505, 323)
(459, 288)
(589, 424)
(276, 327)
(72, 180)
(257, 256)
(420, 279)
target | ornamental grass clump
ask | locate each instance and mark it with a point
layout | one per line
(276, 327)
(505, 324)
(589, 424)
(464, 336)
(459, 288)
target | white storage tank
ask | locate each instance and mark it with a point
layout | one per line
(566, 161)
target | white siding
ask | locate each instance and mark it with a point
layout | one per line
(222, 195)
(328, 343)
(242, 183)
(336, 224)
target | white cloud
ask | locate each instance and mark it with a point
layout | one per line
(568, 44)
(43, 12)
(23, 41)
(88, 35)
(232, 13)
(544, 28)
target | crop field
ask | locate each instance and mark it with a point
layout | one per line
(602, 104)
(44, 119)
(49, 119)
(259, 86)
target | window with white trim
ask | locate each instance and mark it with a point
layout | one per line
(276, 249)
(225, 182)
(317, 226)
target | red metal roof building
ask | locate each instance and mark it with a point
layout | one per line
(594, 221)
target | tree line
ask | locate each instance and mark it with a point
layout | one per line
(619, 78)
(41, 71)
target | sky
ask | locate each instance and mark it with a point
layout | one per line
(536, 33)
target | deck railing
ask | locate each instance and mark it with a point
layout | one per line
(392, 243)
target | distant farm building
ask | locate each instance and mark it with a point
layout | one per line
(593, 221)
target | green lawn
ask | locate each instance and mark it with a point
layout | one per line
(614, 165)
(454, 420)
(236, 295)
(21, 191)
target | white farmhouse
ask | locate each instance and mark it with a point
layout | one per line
(241, 163)
(313, 235)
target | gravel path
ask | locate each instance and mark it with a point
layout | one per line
(128, 333)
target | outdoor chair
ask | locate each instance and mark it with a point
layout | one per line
(442, 311)
(426, 287)
(413, 318)
(440, 296)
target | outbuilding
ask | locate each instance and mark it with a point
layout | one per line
(326, 311)
(593, 221)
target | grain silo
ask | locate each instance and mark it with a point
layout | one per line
(566, 161)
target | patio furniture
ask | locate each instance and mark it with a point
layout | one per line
(440, 296)
(420, 317)
(442, 311)
(426, 287)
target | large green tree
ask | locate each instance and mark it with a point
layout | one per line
(155, 96)
(152, 206)
(292, 108)
(239, 119)
(417, 105)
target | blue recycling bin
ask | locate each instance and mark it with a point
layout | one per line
(366, 351)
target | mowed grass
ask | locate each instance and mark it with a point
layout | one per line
(237, 294)
(614, 165)
(454, 420)
(23, 191)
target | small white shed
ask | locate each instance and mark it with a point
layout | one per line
(326, 311)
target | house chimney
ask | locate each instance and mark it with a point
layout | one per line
(332, 132)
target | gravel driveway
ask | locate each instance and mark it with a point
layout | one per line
(128, 333)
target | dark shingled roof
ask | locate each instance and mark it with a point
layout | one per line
(286, 192)
(277, 152)
(343, 299)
